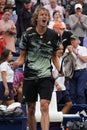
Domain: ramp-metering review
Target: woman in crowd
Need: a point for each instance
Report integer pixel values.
(63, 96)
(56, 18)
(8, 29)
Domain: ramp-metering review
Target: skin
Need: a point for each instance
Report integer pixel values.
(57, 17)
(53, 4)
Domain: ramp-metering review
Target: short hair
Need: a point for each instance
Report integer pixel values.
(35, 15)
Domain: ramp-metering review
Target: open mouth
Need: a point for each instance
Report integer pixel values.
(44, 21)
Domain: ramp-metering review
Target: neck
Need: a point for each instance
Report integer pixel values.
(41, 30)
(6, 20)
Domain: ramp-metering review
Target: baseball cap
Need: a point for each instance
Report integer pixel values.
(58, 25)
(78, 6)
(74, 37)
(27, 1)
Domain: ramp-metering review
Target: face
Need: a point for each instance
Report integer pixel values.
(78, 10)
(75, 42)
(60, 51)
(2, 5)
(10, 56)
(57, 16)
(28, 5)
(53, 3)
(7, 15)
(43, 18)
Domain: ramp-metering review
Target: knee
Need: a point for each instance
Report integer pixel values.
(44, 107)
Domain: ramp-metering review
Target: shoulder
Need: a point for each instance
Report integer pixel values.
(29, 32)
(82, 48)
(84, 16)
(4, 65)
(47, 6)
(51, 31)
(72, 15)
(67, 33)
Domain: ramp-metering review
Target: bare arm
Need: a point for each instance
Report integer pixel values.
(20, 60)
(3, 74)
(55, 62)
(82, 58)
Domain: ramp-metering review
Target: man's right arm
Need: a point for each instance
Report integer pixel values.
(20, 60)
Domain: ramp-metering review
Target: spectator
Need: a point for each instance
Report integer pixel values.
(63, 96)
(13, 15)
(52, 7)
(78, 83)
(56, 18)
(2, 6)
(84, 6)
(24, 18)
(7, 27)
(64, 35)
(6, 78)
(78, 23)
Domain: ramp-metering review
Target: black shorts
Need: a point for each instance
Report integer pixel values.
(43, 87)
(63, 97)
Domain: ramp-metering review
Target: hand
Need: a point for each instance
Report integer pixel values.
(6, 93)
(15, 65)
(70, 48)
(58, 87)
(79, 15)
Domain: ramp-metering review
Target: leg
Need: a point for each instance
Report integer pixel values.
(45, 114)
(1, 102)
(81, 86)
(45, 90)
(67, 107)
(31, 116)
(9, 102)
(20, 94)
(67, 102)
(72, 88)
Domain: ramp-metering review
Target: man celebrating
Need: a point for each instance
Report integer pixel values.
(37, 47)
